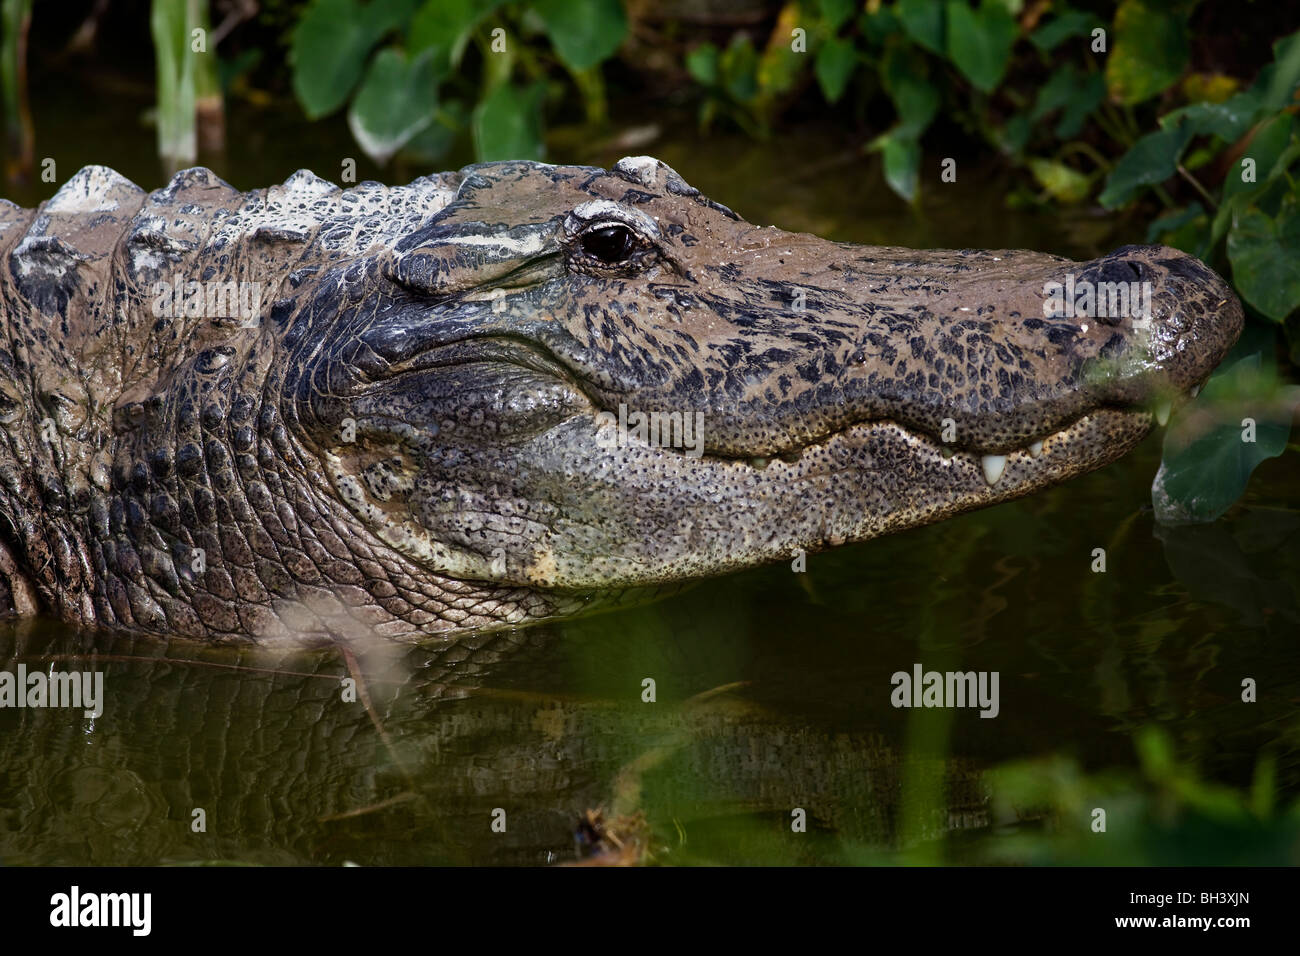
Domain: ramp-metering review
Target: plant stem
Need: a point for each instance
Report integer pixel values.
(1196, 184)
(1078, 146)
(20, 140)
(1111, 126)
(170, 22)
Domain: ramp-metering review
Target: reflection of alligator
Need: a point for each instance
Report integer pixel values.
(304, 411)
(269, 753)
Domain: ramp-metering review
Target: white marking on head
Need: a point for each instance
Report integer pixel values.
(642, 169)
(598, 210)
(526, 245)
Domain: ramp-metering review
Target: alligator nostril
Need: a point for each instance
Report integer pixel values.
(1116, 269)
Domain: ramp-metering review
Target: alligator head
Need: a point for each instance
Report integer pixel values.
(586, 379)
(541, 383)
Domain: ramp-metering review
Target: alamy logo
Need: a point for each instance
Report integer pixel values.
(656, 429)
(1088, 300)
(75, 908)
(206, 300)
(923, 688)
(55, 689)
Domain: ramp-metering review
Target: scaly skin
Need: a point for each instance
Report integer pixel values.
(411, 438)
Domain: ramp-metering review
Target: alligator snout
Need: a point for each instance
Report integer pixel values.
(796, 338)
(1190, 315)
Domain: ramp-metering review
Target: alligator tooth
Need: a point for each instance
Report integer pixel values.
(759, 463)
(1036, 449)
(1196, 390)
(993, 466)
(1162, 412)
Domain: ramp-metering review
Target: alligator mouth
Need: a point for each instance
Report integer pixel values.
(992, 464)
(1042, 459)
(992, 461)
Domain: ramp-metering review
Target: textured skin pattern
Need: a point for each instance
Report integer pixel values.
(404, 440)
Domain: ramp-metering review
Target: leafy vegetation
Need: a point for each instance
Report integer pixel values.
(1241, 419)
(445, 65)
(1061, 92)
(1166, 814)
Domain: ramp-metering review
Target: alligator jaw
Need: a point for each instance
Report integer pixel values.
(860, 483)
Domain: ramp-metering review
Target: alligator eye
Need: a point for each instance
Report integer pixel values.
(610, 244)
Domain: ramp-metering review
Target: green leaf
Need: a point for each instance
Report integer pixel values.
(1150, 49)
(901, 157)
(835, 62)
(836, 12)
(1156, 753)
(739, 65)
(1061, 182)
(1265, 153)
(1153, 159)
(1264, 251)
(330, 44)
(445, 26)
(1173, 221)
(397, 99)
(1091, 92)
(432, 143)
(1069, 23)
(702, 64)
(1015, 134)
(584, 32)
(879, 26)
(1228, 120)
(1060, 88)
(1265, 149)
(507, 123)
(980, 41)
(917, 102)
(916, 99)
(1075, 94)
(1207, 463)
(1283, 76)
(923, 21)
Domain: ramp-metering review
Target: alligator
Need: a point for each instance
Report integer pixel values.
(519, 392)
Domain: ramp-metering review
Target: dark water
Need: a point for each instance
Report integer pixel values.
(548, 723)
